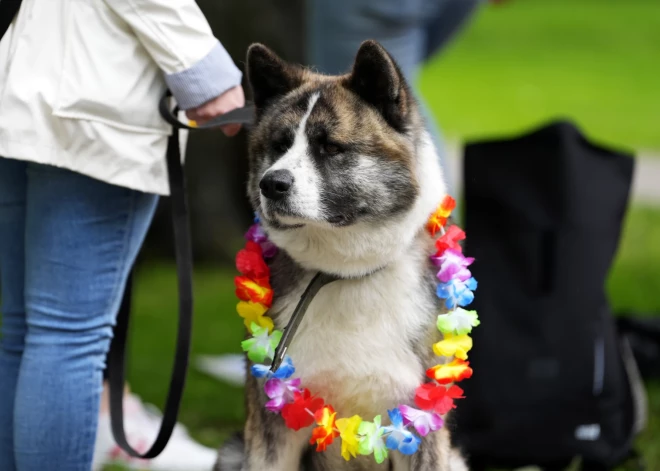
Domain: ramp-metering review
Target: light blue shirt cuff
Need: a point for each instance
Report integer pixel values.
(207, 79)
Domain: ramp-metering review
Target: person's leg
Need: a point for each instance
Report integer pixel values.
(81, 238)
(12, 327)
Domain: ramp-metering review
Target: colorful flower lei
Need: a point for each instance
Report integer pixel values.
(300, 409)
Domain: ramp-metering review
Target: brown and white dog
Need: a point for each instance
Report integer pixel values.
(344, 176)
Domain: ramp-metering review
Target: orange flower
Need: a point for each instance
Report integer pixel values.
(249, 290)
(455, 371)
(325, 433)
(439, 218)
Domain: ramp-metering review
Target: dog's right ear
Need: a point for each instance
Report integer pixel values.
(270, 77)
(378, 80)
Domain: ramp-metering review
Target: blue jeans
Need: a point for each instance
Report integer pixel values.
(67, 243)
(410, 30)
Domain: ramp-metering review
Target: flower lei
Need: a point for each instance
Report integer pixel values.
(300, 409)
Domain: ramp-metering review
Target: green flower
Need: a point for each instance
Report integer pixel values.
(261, 345)
(458, 322)
(371, 440)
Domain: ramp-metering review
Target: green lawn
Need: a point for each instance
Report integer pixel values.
(528, 61)
(212, 409)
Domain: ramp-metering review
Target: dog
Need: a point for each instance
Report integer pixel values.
(344, 177)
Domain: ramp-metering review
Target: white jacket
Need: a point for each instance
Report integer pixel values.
(80, 82)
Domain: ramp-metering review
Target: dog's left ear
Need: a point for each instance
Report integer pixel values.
(270, 77)
(377, 79)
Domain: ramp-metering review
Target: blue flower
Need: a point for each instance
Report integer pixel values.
(398, 438)
(456, 292)
(285, 370)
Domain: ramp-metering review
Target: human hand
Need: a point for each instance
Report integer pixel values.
(229, 100)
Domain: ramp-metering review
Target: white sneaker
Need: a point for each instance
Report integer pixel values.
(141, 423)
(229, 367)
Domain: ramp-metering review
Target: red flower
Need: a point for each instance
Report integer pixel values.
(439, 218)
(433, 397)
(300, 413)
(249, 290)
(450, 240)
(326, 432)
(250, 262)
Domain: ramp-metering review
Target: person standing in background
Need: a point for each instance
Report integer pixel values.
(82, 164)
(411, 31)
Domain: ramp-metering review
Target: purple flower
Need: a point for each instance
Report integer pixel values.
(280, 392)
(453, 264)
(424, 422)
(269, 249)
(256, 234)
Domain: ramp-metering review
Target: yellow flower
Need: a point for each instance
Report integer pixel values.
(453, 345)
(349, 438)
(254, 312)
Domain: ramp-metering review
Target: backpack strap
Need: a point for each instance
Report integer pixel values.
(183, 254)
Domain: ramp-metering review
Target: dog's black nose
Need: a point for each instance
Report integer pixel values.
(276, 184)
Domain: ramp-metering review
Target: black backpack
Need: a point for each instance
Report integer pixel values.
(554, 380)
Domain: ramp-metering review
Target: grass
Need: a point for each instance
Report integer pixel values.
(529, 61)
(212, 409)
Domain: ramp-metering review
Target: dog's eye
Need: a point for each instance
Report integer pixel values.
(331, 149)
(280, 146)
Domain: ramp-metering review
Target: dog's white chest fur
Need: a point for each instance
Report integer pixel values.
(355, 345)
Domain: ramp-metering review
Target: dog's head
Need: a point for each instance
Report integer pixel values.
(342, 172)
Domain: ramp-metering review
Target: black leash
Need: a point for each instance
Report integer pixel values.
(183, 252)
(318, 282)
(8, 10)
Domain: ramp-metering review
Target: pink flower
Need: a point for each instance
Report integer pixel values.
(453, 264)
(280, 392)
(424, 422)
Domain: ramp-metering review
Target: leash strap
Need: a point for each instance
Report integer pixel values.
(243, 116)
(8, 10)
(318, 282)
(183, 253)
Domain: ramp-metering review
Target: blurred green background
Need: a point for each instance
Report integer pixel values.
(514, 66)
(524, 62)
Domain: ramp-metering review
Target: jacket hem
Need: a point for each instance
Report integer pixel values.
(131, 178)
